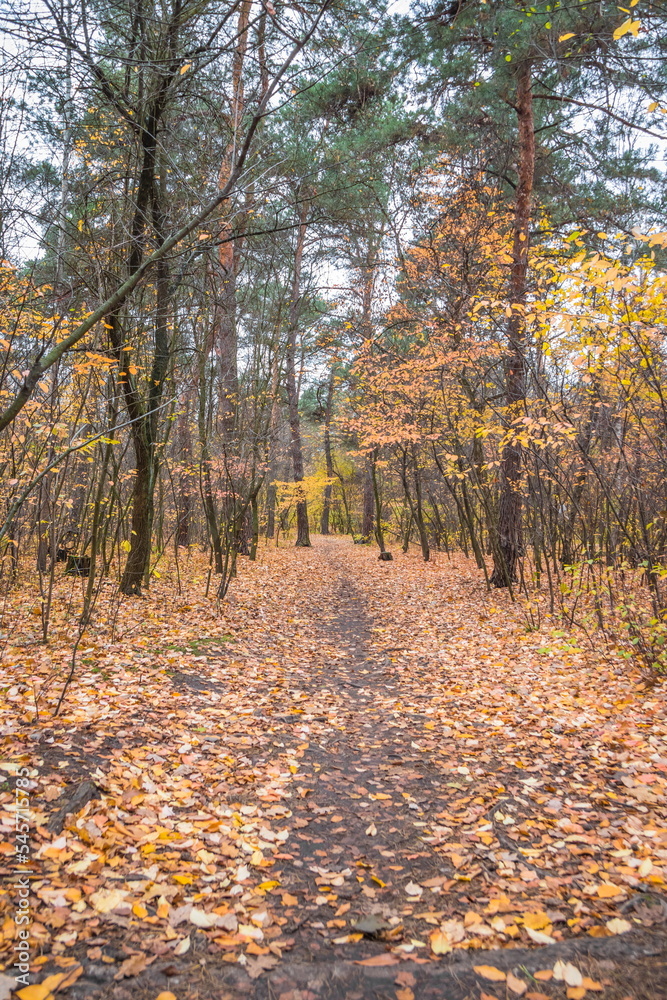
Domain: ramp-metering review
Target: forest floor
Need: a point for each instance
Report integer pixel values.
(355, 779)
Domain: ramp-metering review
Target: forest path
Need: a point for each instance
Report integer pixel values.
(387, 840)
(431, 791)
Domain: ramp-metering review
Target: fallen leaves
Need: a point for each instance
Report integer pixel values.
(59, 981)
(378, 960)
(617, 925)
(567, 973)
(491, 973)
(515, 985)
(440, 943)
(517, 792)
(106, 900)
(135, 964)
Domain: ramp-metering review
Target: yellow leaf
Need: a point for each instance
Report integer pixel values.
(653, 105)
(166, 995)
(490, 972)
(267, 886)
(125, 545)
(43, 990)
(538, 921)
(628, 26)
(607, 890)
(105, 900)
(140, 910)
(618, 926)
(564, 38)
(185, 68)
(440, 943)
(645, 868)
(183, 879)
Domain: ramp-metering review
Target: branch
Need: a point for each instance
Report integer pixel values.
(598, 107)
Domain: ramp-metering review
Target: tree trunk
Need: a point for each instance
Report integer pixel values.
(230, 244)
(145, 429)
(205, 470)
(419, 508)
(328, 489)
(368, 510)
(509, 526)
(184, 499)
(303, 534)
(272, 444)
(142, 514)
(379, 531)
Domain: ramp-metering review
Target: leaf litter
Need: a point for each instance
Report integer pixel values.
(373, 763)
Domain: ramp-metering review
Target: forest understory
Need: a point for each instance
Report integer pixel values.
(352, 779)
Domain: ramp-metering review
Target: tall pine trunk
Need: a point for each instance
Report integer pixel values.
(509, 533)
(229, 253)
(302, 532)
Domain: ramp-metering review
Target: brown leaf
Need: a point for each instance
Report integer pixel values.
(133, 965)
(263, 963)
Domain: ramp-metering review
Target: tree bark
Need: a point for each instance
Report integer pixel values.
(377, 499)
(328, 457)
(509, 542)
(184, 499)
(303, 533)
(229, 252)
(368, 509)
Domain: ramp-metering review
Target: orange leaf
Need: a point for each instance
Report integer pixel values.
(515, 984)
(490, 972)
(385, 959)
(606, 890)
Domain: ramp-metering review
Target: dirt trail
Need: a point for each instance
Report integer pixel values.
(402, 822)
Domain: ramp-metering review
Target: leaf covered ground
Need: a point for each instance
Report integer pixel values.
(354, 779)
